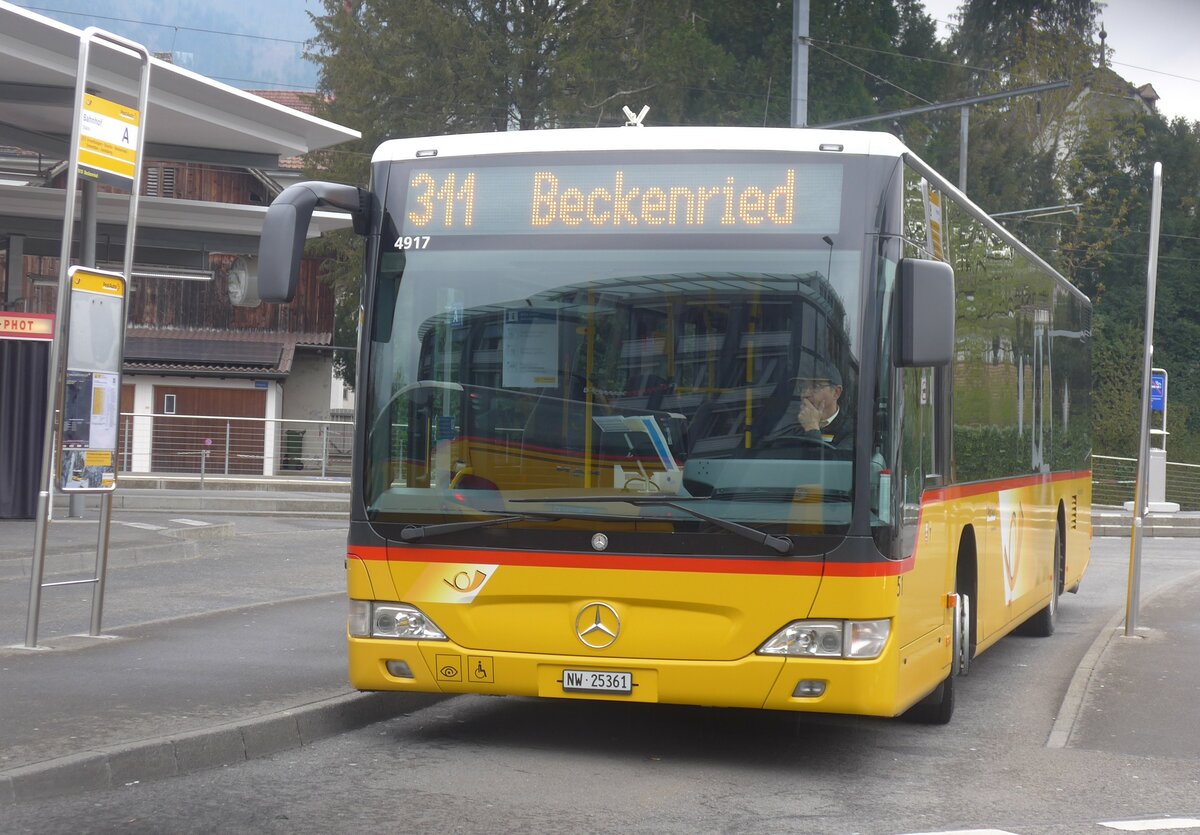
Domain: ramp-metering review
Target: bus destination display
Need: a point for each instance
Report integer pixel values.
(621, 199)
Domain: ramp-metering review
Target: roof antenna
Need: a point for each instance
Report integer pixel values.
(636, 121)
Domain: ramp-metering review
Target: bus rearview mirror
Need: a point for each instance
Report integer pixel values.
(281, 245)
(924, 313)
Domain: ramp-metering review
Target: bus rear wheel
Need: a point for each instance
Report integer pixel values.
(1041, 625)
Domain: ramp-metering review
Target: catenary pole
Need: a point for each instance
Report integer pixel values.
(1139, 493)
(800, 9)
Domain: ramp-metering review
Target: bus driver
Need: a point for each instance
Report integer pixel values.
(820, 415)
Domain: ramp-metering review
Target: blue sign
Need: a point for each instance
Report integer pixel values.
(1158, 392)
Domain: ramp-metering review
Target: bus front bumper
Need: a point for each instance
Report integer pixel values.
(818, 685)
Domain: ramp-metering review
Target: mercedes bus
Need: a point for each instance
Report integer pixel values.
(585, 460)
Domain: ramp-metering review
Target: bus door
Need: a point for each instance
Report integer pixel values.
(924, 411)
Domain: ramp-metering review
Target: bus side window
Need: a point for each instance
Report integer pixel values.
(916, 449)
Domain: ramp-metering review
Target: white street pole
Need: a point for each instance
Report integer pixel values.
(1139, 494)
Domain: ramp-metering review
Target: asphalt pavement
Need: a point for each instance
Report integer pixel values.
(222, 648)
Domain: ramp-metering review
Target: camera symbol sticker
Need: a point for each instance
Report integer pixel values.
(449, 668)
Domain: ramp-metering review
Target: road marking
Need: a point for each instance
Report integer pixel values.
(194, 523)
(145, 526)
(966, 832)
(1155, 825)
(1150, 825)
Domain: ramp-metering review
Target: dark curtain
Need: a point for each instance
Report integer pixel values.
(22, 417)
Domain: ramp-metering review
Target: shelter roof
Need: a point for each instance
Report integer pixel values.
(189, 117)
(47, 204)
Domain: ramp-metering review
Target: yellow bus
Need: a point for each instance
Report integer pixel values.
(715, 416)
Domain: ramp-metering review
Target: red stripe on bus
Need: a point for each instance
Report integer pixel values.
(815, 567)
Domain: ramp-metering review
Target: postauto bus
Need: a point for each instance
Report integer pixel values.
(580, 469)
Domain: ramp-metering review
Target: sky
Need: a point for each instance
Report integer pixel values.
(258, 44)
(1152, 41)
(250, 44)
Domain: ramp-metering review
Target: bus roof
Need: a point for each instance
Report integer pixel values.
(642, 139)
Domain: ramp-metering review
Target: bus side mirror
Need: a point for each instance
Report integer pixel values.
(924, 327)
(281, 245)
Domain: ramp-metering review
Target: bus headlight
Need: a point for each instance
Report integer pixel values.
(391, 620)
(829, 639)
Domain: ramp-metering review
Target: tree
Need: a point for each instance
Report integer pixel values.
(428, 67)
(1002, 46)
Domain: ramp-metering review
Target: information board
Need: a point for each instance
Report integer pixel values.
(108, 141)
(1158, 391)
(92, 389)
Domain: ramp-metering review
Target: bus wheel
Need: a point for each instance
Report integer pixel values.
(1041, 625)
(938, 706)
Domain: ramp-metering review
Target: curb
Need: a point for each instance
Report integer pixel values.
(193, 484)
(1109, 522)
(184, 543)
(221, 745)
(1152, 530)
(248, 504)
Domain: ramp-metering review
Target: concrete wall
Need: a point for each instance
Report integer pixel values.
(306, 392)
(306, 397)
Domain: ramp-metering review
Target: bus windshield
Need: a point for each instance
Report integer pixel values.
(523, 363)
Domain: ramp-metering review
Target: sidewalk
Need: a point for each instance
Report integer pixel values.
(1137, 694)
(168, 695)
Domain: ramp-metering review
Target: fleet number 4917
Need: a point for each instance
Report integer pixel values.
(412, 242)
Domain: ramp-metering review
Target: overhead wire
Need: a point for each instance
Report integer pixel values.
(873, 75)
(1089, 228)
(165, 25)
(1156, 72)
(906, 55)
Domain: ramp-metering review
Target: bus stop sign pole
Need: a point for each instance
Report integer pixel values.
(1140, 484)
(93, 153)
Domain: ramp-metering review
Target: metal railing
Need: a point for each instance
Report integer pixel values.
(1113, 481)
(219, 445)
(215, 445)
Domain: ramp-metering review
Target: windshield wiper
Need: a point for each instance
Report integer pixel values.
(411, 533)
(778, 544)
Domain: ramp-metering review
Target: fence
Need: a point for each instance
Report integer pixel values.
(1113, 482)
(213, 445)
(216, 445)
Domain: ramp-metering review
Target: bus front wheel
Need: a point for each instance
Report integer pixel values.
(938, 706)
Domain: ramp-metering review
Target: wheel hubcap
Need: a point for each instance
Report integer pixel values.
(962, 636)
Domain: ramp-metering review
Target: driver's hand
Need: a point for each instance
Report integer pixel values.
(809, 418)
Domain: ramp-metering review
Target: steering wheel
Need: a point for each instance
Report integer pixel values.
(785, 441)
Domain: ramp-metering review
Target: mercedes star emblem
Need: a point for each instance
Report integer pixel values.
(598, 625)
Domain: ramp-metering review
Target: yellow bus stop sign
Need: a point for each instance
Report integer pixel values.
(108, 141)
